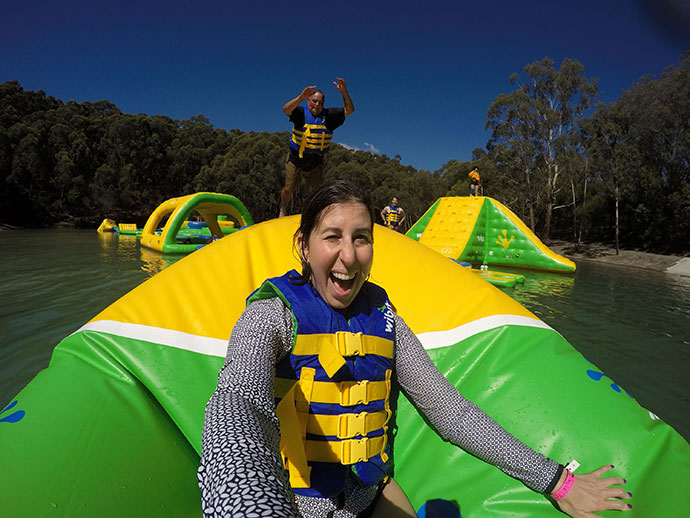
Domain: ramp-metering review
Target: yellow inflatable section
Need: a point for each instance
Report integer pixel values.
(452, 224)
(244, 260)
(107, 225)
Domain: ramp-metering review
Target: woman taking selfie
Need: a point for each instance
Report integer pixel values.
(299, 422)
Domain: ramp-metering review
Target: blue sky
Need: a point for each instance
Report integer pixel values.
(421, 74)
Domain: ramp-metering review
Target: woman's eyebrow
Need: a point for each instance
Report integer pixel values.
(340, 230)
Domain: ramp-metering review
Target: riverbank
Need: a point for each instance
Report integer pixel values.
(604, 253)
(5, 226)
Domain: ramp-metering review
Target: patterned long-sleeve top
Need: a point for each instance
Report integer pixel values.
(241, 471)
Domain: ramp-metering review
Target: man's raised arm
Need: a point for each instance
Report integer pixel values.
(342, 88)
(294, 103)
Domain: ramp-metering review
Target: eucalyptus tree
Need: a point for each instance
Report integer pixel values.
(612, 157)
(533, 129)
(639, 149)
(660, 130)
(251, 169)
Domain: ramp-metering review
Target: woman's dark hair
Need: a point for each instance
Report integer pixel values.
(328, 193)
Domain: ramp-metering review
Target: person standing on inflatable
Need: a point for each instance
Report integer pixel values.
(311, 134)
(393, 215)
(299, 422)
(475, 181)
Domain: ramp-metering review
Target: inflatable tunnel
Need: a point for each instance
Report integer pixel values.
(211, 206)
(481, 230)
(113, 426)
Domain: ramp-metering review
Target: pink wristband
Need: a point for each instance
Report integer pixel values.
(565, 488)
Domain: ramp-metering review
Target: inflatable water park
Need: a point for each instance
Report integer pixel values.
(481, 230)
(113, 426)
(219, 214)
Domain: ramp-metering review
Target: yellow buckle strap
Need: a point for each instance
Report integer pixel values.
(303, 394)
(355, 393)
(292, 412)
(349, 451)
(291, 441)
(346, 426)
(303, 143)
(349, 344)
(389, 413)
(353, 425)
(346, 343)
(329, 357)
(351, 393)
(331, 348)
(345, 393)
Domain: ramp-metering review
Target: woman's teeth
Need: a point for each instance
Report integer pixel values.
(344, 276)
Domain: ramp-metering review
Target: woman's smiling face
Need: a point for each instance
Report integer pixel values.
(340, 252)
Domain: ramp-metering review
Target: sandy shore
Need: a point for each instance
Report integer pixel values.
(676, 264)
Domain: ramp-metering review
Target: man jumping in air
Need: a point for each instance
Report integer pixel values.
(311, 134)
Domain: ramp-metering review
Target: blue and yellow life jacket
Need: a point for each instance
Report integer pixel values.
(393, 215)
(333, 390)
(314, 137)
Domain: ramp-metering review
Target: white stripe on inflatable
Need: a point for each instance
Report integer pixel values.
(159, 335)
(437, 339)
(217, 347)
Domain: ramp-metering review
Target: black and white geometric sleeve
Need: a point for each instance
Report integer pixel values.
(460, 421)
(241, 472)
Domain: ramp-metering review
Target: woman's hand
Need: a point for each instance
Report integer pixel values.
(591, 493)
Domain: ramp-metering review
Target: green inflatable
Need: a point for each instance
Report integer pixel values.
(214, 208)
(112, 427)
(481, 230)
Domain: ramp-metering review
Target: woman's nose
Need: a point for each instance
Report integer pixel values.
(347, 252)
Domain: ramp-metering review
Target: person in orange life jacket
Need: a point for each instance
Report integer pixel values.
(273, 443)
(311, 134)
(475, 181)
(393, 215)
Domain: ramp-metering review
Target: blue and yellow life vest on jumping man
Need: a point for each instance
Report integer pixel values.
(314, 137)
(393, 215)
(333, 390)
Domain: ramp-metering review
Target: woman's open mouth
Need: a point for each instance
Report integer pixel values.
(343, 282)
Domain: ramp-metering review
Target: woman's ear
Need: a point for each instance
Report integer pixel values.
(302, 248)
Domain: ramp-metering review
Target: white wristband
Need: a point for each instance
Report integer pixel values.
(572, 466)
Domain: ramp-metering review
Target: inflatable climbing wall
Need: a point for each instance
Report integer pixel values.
(481, 230)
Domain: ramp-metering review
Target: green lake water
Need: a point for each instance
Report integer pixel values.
(633, 324)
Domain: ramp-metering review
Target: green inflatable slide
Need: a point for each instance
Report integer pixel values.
(481, 230)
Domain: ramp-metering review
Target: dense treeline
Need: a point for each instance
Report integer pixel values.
(618, 172)
(81, 162)
(568, 167)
